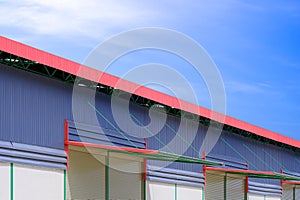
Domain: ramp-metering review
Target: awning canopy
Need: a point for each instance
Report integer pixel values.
(254, 173)
(147, 153)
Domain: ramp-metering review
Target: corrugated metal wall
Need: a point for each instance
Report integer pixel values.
(33, 109)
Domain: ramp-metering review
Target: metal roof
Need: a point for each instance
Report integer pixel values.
(76, 69)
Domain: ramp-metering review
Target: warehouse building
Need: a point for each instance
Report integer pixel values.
(49, 152)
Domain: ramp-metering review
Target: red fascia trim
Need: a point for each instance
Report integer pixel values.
(77, 69)
(99, 146)
(290, 182)
(204, 173)
(239, 171)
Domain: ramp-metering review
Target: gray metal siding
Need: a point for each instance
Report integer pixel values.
(32, 155)
(264, 189)
(173, 176)
(229, 162)
(80, 132)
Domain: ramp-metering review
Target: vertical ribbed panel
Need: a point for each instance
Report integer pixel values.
(214, 188)
(235, 188)
(33, 108)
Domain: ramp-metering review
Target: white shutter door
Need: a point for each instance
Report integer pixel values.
(160, 191)
(287, 192)
(255, 197)
(35, 183)
(214, 188)
(86, 176)
(297, 192)
(235, 188)
(4, 180)
(272, 198)
(190, 193)
(125, 179)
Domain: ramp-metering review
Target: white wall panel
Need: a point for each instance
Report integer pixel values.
(35, 183)
(255, 197)
(190, 193)
(160, 191)
(4, 181)
(272, 198)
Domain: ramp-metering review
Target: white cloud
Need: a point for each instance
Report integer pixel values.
(90, 18)
(101, 18)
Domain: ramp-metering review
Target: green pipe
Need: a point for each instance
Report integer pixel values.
(11, 181)
(175, 191)
(107, 189)
(65, 184)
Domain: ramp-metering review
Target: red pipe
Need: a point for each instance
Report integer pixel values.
(66, 138)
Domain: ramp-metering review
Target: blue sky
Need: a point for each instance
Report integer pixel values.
(255, 44)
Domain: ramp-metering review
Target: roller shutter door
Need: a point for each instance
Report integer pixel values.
(160, 191)
(86, 176)
(235, 188)
(190, 193)
(35, 183)
(4, 180)
(287, 192)
(297, 192)
(125, 178)
(214, 188)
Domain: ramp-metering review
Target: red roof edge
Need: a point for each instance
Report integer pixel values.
(31, 53)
